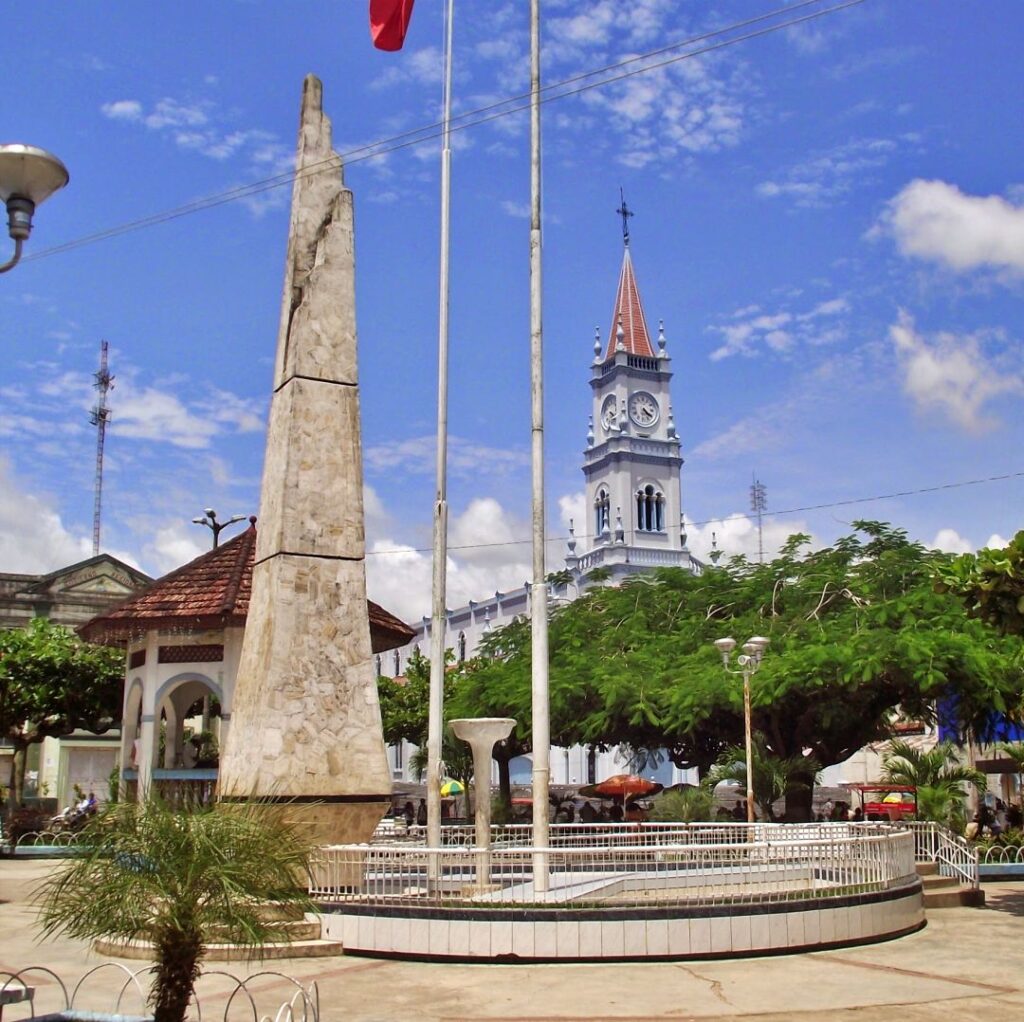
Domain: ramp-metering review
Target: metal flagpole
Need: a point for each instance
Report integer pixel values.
(541, 738)
(435, 718)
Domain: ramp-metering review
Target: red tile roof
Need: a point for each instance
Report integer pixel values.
(213, 592)
(629, 311)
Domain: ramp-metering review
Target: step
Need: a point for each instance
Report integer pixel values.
(955, 897)
(142, 950)
(296, 929)
(927, 869)
(936, 882)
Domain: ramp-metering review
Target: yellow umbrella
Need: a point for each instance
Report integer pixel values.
(452, 788)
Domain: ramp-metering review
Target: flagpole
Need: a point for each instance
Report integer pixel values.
(541, 738)
(435, 718)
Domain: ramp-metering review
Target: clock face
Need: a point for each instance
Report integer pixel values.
(609, 412)
(643, 409)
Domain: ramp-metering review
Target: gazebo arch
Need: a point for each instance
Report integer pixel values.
(171, 704)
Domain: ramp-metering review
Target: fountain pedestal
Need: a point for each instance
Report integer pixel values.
(480, 733)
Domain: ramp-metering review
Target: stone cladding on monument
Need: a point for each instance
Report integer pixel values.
(306, 722)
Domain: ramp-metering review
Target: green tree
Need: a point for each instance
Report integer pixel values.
(179, 878)
(938, 776)
(496, 683)
(404, 705)
(857, 630)
(990, 583)
(51, 684)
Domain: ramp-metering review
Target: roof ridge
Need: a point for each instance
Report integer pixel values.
(245, 543)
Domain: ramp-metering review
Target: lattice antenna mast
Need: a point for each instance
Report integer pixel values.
(759, 504)
(99, 417)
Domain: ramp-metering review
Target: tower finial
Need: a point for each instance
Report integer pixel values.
(625, 212)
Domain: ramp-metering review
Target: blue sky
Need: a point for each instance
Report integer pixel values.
(829, 220)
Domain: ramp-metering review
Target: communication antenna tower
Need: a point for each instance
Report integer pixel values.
(759, 504)
(99, 417)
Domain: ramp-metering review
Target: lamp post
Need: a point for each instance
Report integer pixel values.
(748, 662)
(28, 176)
(209, 519)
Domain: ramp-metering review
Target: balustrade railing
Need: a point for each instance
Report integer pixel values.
(955, 856)
(608, 865)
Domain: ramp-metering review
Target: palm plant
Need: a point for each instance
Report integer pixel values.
(938, 776)
(774, 776)
(1015, 752)
(686, 805)
(180, 878)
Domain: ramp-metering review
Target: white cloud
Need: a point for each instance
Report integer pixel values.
(830, 175)
(951, 374)
(465, 458)
(748, 329)
(200, 127)
(33, 539)
(736, 535)
(486, 553)
(935, 221)
(123, 110)
(174, 545)
(169, 113)
(952, 542)
(424, 66)
(572, 508)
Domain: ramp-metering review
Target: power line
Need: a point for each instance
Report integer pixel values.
(709, 521)
(469, 119)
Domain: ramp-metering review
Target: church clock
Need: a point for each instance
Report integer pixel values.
(643, 409)
(609, 413)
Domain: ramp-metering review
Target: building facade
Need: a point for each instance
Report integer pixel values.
(69, 596)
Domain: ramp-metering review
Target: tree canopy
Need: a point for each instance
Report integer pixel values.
(51, 684)
(991, 584)
(857, 629)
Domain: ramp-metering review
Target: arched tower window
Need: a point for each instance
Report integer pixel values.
(650, 510)
(602, 513)
(462, 647)
(398, 663)
(378, 663)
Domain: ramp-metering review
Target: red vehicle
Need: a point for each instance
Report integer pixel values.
(891, 802)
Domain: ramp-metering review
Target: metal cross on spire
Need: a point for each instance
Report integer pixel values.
(625, 212)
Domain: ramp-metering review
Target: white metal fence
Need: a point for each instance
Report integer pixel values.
(715, 864)
(1001, 855)
(954, 855)
(586, 835)
(113, 991)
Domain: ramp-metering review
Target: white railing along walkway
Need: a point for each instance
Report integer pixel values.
(955, 856)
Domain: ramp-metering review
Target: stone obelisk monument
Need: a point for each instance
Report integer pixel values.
(306, 725)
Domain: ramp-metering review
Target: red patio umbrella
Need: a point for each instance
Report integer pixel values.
(621, 787)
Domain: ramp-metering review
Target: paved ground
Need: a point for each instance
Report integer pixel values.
(967, 965)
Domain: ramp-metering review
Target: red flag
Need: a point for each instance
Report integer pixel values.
(389, 21)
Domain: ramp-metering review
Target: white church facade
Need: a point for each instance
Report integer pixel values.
(631, 467)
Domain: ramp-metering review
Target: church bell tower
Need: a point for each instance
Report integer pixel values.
(632, 460)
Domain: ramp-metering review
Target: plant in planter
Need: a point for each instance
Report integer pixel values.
(180, 878)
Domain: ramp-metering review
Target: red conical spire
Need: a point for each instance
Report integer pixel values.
(629, 314)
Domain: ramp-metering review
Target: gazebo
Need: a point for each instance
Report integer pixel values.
(182, 636)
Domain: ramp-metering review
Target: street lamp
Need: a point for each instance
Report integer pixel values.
(748, 662)
(210, 521)
(28, 176)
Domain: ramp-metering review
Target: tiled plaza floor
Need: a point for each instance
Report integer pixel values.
(966, 965)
